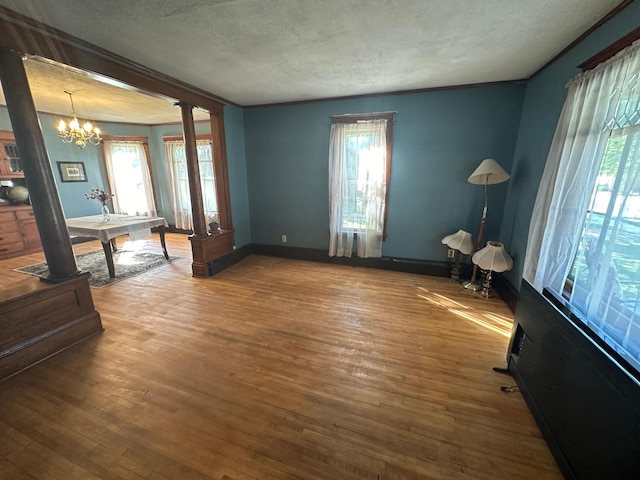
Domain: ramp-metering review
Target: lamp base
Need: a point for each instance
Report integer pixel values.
(486, 285)
(471, 285)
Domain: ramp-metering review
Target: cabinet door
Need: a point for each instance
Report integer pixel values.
(29, 229)
(4, 162)
(11, 238)
(10, 165)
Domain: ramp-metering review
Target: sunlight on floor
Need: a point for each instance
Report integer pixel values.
(491, 321)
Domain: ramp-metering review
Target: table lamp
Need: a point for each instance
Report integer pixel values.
(489, 172)
(461, 243)
(492, 258)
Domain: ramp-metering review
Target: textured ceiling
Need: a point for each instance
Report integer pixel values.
(266, 51)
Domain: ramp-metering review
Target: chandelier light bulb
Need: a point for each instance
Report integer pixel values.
(73, 133)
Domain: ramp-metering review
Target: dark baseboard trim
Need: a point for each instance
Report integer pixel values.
(222, 263)
(509, 294)
(423, 267)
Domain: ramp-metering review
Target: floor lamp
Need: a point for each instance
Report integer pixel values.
(489, 172)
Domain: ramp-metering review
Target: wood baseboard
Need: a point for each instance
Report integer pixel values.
(423, 267)
(509, 294)
(38, 322)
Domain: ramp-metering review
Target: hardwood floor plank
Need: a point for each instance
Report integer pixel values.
(274, 369)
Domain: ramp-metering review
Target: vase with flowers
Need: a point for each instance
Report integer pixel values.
(103, 197)
(214, 225)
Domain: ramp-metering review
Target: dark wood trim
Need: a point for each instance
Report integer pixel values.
(422, 267)
(364, 117)
(611, 50)
(124, 138)
(508, 293)
(29, 36)
(384, 94)
(222, 263)
(221, 169)
(180, 138)
(615, 11)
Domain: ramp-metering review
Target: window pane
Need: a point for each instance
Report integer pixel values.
(606, 270)
(364, 179)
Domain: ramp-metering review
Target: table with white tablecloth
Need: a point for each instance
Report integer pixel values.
(95, 226)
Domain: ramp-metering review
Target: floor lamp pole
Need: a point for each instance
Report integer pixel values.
(473, 284)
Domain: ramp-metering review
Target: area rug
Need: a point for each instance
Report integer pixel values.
(127, 264)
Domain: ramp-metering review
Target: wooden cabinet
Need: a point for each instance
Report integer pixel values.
(18, 230)
(19, 234)
(10, 166)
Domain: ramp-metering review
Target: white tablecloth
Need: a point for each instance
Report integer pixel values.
(95, 227)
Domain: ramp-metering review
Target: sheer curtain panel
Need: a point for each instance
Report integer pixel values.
(357, 187)
(179, 181)
(584, 237)
(129, 178)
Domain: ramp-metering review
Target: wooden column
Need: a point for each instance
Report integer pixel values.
(221, 170)
(193, 170)
(46, 204)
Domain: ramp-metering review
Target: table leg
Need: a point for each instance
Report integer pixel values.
(114, 245)
(106, 246)
(161, 230)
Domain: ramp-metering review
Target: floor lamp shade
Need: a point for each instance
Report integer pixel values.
(460, 241)
(489, 172)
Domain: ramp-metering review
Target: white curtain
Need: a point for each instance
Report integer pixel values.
(129, 178)
(357, 187)
(601, 104)
(179, 181)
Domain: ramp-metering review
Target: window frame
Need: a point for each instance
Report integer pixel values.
(390, 118)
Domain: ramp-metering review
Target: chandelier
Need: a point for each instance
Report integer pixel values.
(74, 132)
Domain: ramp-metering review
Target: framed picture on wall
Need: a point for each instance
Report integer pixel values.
(72, 172)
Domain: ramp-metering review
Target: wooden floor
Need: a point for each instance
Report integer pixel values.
(274, 369)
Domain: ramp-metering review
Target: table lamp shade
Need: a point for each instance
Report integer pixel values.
(460, 240)
(493, 257)
(489, 172)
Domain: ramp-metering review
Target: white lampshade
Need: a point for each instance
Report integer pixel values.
(493, 257)
(488, 172)
(460, 240)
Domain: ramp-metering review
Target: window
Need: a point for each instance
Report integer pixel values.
(584, 238)
(179, 179)
(604, 281)
(127, 163)
(359, 166)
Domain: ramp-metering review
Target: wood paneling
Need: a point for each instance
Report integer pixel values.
(40, 321)
(587, 407)
(274, 369)
(210, 248)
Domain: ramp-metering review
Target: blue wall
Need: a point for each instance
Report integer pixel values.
(544, 98)
(439, 139)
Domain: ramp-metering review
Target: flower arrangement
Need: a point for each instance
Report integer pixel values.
(100, 195)
(214, 226)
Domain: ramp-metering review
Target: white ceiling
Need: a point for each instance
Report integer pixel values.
(255, 52)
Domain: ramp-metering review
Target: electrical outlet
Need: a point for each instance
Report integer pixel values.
(284, 239)
(451, 253)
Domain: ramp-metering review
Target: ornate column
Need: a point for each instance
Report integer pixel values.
(193, 170)
(47, 208)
